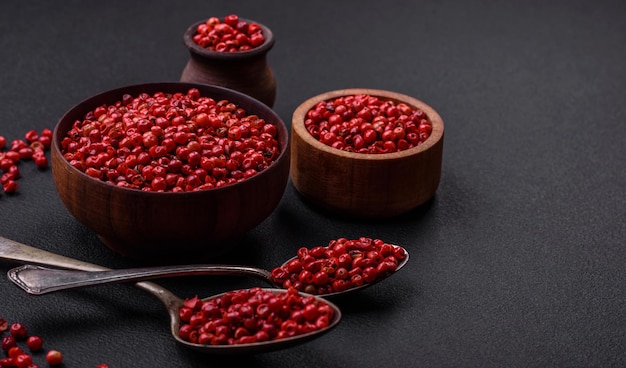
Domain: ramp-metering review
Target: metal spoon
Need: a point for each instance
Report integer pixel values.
(40, 280)
(14, 251)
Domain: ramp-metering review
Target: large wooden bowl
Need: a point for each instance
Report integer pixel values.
(167, 226)
(365, 185)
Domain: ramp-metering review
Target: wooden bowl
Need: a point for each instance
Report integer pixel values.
(365, 185)
(245, 71)
(169, 226)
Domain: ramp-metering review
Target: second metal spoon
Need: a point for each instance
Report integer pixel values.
(39, 280)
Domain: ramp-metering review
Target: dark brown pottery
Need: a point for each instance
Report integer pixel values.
(365, 185)
(245, 71)
(170, 227)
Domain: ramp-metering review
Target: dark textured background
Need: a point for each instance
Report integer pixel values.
(518, 261)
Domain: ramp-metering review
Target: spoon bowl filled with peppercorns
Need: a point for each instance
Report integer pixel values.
(169, 172)
(366, 153)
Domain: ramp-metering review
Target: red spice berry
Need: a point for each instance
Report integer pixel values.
(54, 357)
(320, 278)
(18, 331)
(231, 20)
(6, 163)
(40, 159)
(4, 324)
(15, 351)
(15, 171)
(3, 142)
(34, 343)
(370, 274)
(7, 362)
(17, 144)
(45, 132)
(103, 365)
(31, 136)
(357, 279)
(23, 361)
(8, 342)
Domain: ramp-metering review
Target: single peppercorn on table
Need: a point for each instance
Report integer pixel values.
(516, 261)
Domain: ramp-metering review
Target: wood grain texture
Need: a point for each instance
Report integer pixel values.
(366, 185)
(170, 226)
(246, 71)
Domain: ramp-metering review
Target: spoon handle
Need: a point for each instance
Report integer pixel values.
(15, 251)
(40, 280)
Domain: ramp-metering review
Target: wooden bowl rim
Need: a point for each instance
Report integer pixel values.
(228, 56)
(434, 118)
(184, 85)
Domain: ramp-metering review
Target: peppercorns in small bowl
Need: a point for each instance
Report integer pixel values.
(366, 153)
(170, 171)
(231, 52)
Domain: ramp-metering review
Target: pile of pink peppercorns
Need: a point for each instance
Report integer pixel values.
(18, 357)
(32, 147)
(230, 34)
(341, 265)
(252, 315)
(166, 142)
(367, 124)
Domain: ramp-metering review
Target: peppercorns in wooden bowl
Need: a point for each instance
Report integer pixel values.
(170, 171)
(365, 152)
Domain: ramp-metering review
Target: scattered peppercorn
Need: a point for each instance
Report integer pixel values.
(23, 361)
(34, 343)
(54, 357)
(16, 356)
(7, 362)
(8, 342)
(32, 147)
(18, 331)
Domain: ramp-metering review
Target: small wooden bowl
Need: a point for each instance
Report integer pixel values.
(167, 226)
(365, 185)
(245, 71)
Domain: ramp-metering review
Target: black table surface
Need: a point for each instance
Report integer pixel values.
(518, 261)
